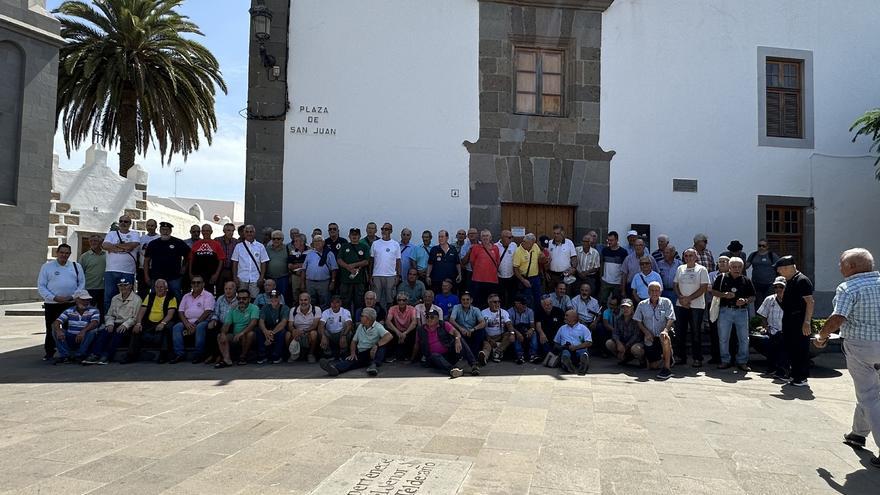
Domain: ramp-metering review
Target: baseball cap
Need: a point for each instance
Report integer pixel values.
(123, 281)
(632, 232)
(82, 294)
(626, 302)
(779, 281)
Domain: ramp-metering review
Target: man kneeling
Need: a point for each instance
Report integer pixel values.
(571, 343)
(441, 343)
(367, 347)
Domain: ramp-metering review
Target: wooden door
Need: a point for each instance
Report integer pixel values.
(785, 231)
(537, 218)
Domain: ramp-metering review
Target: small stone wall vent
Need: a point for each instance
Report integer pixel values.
(684, 185)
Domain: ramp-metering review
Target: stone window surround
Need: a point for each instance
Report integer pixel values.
(807, 265)
(806, 57)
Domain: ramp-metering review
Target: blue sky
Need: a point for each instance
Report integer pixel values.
(215, 171)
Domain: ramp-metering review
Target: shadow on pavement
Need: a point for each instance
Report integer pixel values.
(863, 481)
(25, 366)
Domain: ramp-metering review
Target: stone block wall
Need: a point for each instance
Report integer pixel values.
(267, 101)
(34, 32)
(539, 159)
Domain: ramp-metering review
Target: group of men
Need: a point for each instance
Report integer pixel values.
(389, 300)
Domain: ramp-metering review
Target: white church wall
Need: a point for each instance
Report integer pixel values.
(680, 100)
(396, 81)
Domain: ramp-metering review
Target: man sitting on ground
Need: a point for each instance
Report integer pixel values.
(499, 330)
(238, 330)
(523, 320)
(303, 325)
(367, 347)
(335, 329)
(152, 321)
(655, 317)
(548, 319)
(441, 343)
(194, 312)
(572, 342)
(625, 341)
(76, 328)
(272, 329)
(469, 322)
(119, 320)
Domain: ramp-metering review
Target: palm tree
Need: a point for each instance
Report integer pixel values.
(869, 125)
(129, 76)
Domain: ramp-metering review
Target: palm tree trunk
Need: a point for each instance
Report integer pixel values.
(127, 132)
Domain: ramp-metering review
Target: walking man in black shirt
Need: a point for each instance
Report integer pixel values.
(797, 313)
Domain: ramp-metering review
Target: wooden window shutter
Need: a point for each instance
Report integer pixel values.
(774, 113)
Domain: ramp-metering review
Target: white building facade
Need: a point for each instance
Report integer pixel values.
(729, 118)
(685, 95)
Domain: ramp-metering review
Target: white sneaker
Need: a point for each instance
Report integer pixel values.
(802, 383)
(455, 372)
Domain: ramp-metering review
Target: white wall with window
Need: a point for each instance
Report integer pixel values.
(685, 95)
(392, 90)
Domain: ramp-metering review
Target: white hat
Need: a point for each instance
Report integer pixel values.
(294, 350)
(82, 294)
(632, 232)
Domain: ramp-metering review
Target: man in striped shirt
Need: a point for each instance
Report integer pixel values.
(76, 327)
(857, 315)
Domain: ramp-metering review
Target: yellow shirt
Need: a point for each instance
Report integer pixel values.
(155, 314)
(527, 261)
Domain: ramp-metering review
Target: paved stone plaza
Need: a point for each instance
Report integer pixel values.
(187, 429)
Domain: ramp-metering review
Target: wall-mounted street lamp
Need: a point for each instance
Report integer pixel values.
(261, 21)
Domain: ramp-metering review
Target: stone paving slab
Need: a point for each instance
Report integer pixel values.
(186, 429)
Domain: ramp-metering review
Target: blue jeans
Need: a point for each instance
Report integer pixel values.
(177, 338)
(69, 342)
(282, 283)
(727, 318)
(532, 342)
(111, 282)
(574, 356)
(276, 348)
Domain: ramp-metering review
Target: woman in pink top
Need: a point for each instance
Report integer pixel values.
(401, 321)
(484, 259)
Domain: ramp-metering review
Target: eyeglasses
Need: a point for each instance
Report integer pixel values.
(197, 282)
(243, 298)
(402, 300)
(386, 228)
(645, 264)
(125, 221)
(762, 245)
(277, 238)
(494, 302)
(333, 229)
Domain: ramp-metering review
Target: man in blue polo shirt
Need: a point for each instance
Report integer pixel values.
(320, 268)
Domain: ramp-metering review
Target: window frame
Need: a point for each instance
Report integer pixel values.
(539, 51)
(783, 90)
(806, 140)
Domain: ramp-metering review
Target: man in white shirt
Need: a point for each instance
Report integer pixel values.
(771, 343)
(499, 331)
(59, 279)
(335, 328)
(122, 246)
(690, 283)
(249, 262)
(507, 281)
(563, 256)
(385, 262)
(588, 261)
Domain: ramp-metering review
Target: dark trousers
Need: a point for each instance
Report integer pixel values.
(773, 347)
(480, 292)
(51, 312)
(363, 360)
(106, 343)
(403, 350)
(476, 340)
(507, 290)
(797, 348)
(450, 358)
(532, 294)
(212, 347)
(352, 296)
(98, 300)
(688, 320)
(273, 351)
(151, 334)
(465, 281)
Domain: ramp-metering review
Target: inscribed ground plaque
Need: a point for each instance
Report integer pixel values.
(370, 473)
